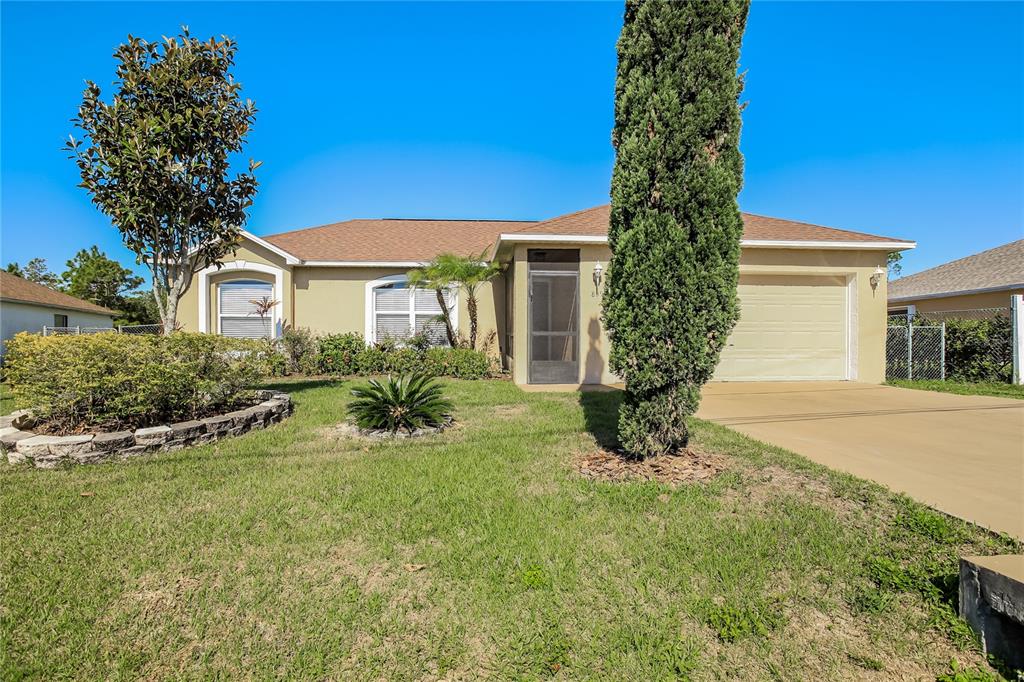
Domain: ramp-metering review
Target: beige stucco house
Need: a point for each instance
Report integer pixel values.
(28, 307)
(813, 298)
(984, 281)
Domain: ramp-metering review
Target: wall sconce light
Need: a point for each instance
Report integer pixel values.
(598, 273)
(876, 277)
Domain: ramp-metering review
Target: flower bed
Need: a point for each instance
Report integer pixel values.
(22, 446)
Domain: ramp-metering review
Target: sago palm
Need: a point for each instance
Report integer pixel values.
(405, 403)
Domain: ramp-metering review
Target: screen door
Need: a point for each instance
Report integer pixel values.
(554, 323)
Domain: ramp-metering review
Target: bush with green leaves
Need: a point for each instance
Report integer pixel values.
(114, 381)
(299, 348)
(348, 354)
(337, 353)
(461, 363)
(979, 350)
(403, 403)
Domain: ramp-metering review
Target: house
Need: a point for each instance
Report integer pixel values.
(28, 307)
(985, 280)
(813, 298)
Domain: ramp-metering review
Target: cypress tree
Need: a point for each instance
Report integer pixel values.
(670, 300)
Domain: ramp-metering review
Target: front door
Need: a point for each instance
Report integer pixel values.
(554, 322)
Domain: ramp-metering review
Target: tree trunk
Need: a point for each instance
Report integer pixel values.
(170, 314)
(471, 306)
(452, 339)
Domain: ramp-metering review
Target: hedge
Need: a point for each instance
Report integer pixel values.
(348, 354)
(979, 350)
(113, 381)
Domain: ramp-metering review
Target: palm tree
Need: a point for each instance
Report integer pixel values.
(468, 272)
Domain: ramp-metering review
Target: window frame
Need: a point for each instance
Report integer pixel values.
(220, 308)
(67, 320)
(370, 327)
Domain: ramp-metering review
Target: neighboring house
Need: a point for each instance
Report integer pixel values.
(985, 280)
(813, 298)
(28, 307)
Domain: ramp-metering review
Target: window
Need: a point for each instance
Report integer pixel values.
(60, 320)
(237, 314)
(399, 312)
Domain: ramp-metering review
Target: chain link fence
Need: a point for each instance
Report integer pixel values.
(140, 329)
(955, 345)
(915, 349)
(121, 329)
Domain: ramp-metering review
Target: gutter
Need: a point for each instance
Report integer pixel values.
(882, 245)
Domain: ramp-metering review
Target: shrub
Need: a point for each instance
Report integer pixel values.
(298, 346)
(337, 353)
(371, 360)
(406, 403)
(348, 354)
(979, 350)
(111, 381)
(461, 363)
(403, 361)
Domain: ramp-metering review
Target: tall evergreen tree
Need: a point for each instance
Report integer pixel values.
(670, 301)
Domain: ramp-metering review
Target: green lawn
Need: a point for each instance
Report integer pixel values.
(476, 553)
(992, 388)
(6, 399)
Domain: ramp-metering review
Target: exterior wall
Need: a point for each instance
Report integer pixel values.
(594, 345)
(26, 317)
(329, 300)
(333, 300)
(992, 299)
(248, 252)
(868, 305)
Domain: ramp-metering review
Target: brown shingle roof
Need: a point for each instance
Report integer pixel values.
(998, 268)
(390, 240)
(594, 222)
(16, 289)
(393, 239)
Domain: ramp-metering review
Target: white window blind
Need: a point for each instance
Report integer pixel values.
(400, 312)
(237, 309)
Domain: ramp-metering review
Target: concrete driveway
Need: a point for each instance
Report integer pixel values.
(961, 454)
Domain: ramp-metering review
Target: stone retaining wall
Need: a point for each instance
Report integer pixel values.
(21, 445)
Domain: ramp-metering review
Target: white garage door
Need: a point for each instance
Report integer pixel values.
(791, 328)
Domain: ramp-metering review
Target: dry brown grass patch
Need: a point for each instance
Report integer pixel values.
(689, 466)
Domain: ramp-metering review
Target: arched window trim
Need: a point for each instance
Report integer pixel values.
(370, 322)
(240, 267)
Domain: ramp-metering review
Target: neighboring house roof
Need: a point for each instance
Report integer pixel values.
(756, 228)
(392, 240)
(18, 290)
(998, 269)
(408, 242)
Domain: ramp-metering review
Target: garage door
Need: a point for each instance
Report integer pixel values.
(790, 329)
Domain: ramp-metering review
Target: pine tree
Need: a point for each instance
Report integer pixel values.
(670, 301)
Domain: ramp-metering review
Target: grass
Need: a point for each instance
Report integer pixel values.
(477, 553)
(992, 388)
(6, 399)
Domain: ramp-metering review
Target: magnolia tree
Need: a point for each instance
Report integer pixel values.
(157, 158)
(670, 301)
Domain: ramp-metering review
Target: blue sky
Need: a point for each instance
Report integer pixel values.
(902, 119)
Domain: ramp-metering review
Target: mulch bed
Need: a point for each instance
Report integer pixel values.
(685, 467)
